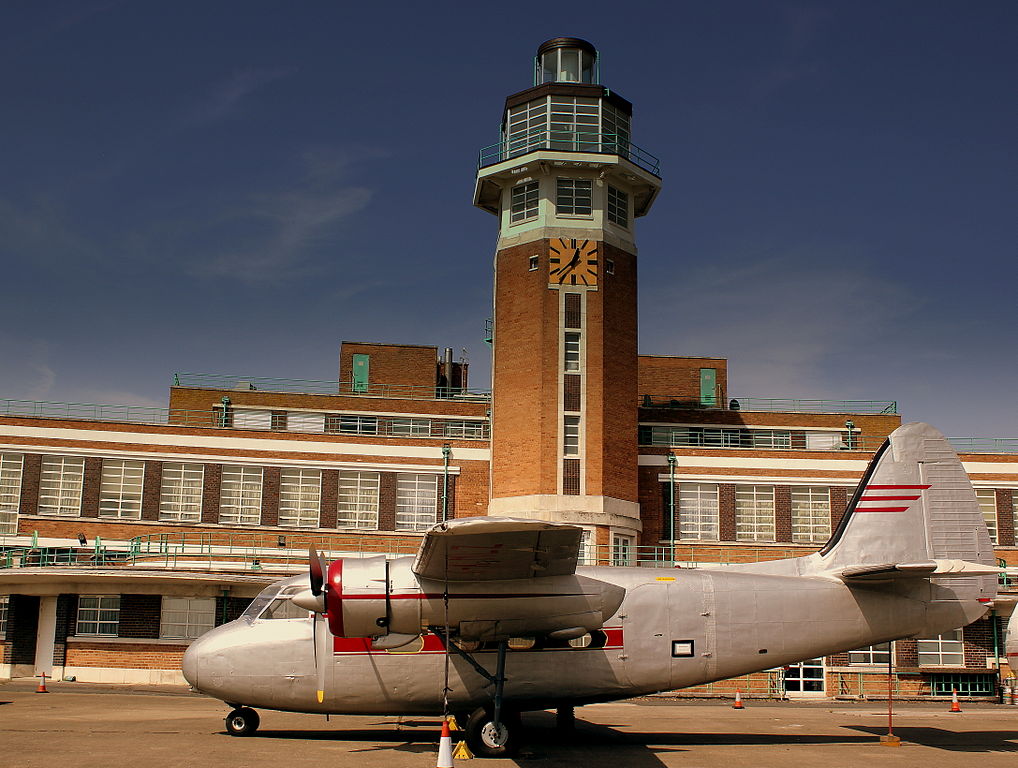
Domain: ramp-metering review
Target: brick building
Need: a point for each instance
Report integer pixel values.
(125, 532)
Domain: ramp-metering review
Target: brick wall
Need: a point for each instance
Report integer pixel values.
(726, 512)
(139, 616)
(783, 513)
(400, 365)
(210, 493)
(270, 496)
(125, 655)
(22, 626)
(231, 606)
(151, 490)
(31, 471)
(1005, 517)
(90, 486)
(665, 378)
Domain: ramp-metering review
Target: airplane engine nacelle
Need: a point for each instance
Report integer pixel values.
(358, 602)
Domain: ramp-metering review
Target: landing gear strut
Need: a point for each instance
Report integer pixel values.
(491, 731)
(242, 721)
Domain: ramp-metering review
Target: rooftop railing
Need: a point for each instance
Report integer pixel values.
(769, 404)
(438, 427)
(348, 388)
(594, 142)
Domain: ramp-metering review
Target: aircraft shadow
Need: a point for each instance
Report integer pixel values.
(544, 742)
(954, 741)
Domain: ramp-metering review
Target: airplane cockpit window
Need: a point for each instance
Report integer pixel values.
(280, 607)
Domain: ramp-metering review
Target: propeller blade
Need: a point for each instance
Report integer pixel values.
(317, 569)
(322, 656)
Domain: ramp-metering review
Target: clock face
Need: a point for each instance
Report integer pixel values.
(572, 262)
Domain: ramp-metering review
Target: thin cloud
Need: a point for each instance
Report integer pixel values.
(31, 377)
(226, 96)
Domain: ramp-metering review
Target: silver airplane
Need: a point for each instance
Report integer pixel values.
(493, 618)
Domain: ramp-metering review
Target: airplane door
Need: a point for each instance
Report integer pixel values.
(645, 623)
(692, 639)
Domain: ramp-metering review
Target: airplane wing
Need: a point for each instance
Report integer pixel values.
(493, 548)
(894, 571)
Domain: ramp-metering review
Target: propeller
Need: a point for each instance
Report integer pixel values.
(318, 605)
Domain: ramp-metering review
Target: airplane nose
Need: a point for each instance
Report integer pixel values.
(189, 664)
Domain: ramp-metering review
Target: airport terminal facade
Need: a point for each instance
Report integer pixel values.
(126, 532)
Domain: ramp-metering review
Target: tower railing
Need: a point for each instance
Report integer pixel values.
(595, 142)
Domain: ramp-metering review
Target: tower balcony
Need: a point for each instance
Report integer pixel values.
(592, 142)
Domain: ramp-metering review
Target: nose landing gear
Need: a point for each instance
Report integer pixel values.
(242, 721)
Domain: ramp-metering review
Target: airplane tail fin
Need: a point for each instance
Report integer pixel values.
(915, 505)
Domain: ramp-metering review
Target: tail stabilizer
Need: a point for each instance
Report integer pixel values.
(914, 505)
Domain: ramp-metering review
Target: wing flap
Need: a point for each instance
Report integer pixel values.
(492, 548)
(923, 570)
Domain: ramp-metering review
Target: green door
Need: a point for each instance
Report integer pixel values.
(708, 382)
(361, 365)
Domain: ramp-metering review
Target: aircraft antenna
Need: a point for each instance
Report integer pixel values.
(445, 601)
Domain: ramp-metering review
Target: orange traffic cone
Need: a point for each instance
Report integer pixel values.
(445, 747)
(738, 700)
(954, 701)
(42, 684)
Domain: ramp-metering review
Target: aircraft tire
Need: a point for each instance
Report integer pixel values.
(242, 721)
(485, 740)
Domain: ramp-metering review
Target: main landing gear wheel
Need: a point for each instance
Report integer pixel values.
(242, 721)
(485, 739)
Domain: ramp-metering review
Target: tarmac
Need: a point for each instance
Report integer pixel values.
(88, 726)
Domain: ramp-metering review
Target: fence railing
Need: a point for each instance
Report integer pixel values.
(594, 142)
(345, 388)
(769, 404)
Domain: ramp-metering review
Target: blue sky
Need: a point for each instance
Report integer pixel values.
(237, 187)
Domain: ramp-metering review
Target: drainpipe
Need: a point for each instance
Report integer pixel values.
(671, 502)
(446, 452)
(226, 405)
(849, 425)
(996, 653)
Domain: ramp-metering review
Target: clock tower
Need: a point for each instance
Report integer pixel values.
(566, 183)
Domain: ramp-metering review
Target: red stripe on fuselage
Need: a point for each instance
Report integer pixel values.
(889, 498)
(881, 509)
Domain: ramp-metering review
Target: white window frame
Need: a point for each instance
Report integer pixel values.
(121, 488)
(754, 513)
(524, 202)
(98, 619)
(466, 430)
(811, 513)
(616, 208)
(623, 546)
(351, 424)
(570, 435)
(5, 602)
(357, 505)
(185, 618)
(11, 471)
(416, 501)
(181, 490)
(408, 427)
(60, 485)
(300, 497)
(240, 495)
(698, 511)
(943, 650)
(574, 198)
(571, 352)
(987, 498)
(871, 655)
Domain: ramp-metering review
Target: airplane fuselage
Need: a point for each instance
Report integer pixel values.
(675, 628)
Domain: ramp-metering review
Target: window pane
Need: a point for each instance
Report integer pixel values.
(754, 513)
(698, 510)
(358, 500)
(120, 492)
(987, 498)
(300, 493)
(811, 514)
(416, 501)
(60, 485)
(240, 500)
(187, 617)
(180, 493)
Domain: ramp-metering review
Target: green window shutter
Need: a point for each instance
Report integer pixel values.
(708, 382)
(361, 365)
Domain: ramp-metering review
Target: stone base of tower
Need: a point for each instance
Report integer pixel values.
(621, 516)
